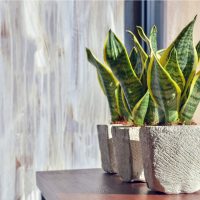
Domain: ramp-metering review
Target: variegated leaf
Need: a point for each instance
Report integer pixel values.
(142, 34)
(198, 50)
(140, 110)
(133, 57)
(136, 63)
(125, 103)
(122, 105)
(191, 77)
(140, 50)
(153, 38)
(144, 78)
(192, 101)
(151, 41)
(101, 83)
(116, 57)
(174, 70)
(163, 90)
(186, 53)
(154, 114)
(108, 82)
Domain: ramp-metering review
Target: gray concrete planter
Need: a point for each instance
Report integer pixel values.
(106, 148)
(171, 157)
(128, 153)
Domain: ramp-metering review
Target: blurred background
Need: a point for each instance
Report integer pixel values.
(50, 99)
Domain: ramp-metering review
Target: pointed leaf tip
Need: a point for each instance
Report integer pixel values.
(139, 27)
(88, 52)
(154, 28)
(184, 46)
(194, 20)
(110, 32)
(129, 31)
(90, 57)
(116, 57)
(133, 35)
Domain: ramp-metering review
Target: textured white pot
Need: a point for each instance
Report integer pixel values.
(128, 153)
(106, 148)
(171, 157)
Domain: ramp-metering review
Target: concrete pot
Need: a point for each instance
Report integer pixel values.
(171, 158)
(106, 148)
(128, 153)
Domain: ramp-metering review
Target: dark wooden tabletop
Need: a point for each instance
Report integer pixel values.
(94, 184)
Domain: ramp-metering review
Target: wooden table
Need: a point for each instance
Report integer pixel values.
(94, 184)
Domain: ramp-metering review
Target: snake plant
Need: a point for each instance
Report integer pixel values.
(159, 87)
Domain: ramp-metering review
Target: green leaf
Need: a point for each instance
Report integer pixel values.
(101, 83)
(154, 114)
(142, 60)
(174, 70)
(117, 59)
(142, 34)
(187, 85)
(140, 110)
(126, 106)
(140, 50)
(186, 53)
(136, 63)
(153, 39)
(193, 100)
(198, 50)
(163, 90)
(108, 82)
(144, 78)
(122, 105)
(152, 45)
(159, 110)
(133, 57)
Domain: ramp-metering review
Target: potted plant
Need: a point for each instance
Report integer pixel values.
(171, 151)
(160, 92)
(123, 80)
(121, 113)
(118, 109)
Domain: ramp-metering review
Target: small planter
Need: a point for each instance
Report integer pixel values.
(106, 148)
(128, 153)
(171, 157)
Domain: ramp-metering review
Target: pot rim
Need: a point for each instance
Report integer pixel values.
(182, 125)
(149, 126)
